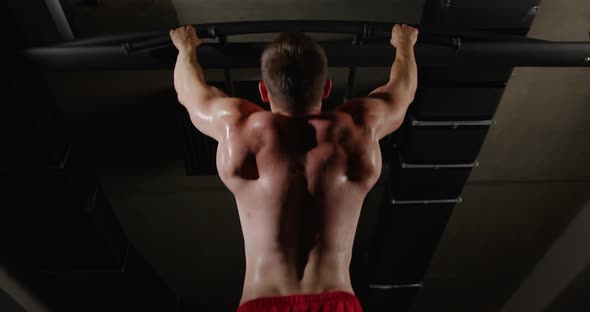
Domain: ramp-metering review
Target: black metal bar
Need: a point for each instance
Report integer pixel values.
(380, 286)
(115, 39)
(241, 55)
(356, 41)
(362, 28)
(59, 18)
(350, 82)
(261, 27)
(427, 201)
(368, 30)
(223, 30)
(242, 28)
(229, 84)
(149, 44)
(450, 123)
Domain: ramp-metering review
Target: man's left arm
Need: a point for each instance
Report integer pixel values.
(211, 111)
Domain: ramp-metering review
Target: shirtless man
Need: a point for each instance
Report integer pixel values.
(299, 175)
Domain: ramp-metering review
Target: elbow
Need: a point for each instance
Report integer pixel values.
(413, 90)
(179, 91)
(411, 97)
(181, 102)
(397, 123)
(408, 95)
(410, 92)
(181, 98)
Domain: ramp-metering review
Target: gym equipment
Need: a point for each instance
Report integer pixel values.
(369, 47)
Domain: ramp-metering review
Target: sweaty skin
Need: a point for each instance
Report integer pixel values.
(299, 181)
(299, 185)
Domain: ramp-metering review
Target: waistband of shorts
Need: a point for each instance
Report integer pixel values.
(303, 298)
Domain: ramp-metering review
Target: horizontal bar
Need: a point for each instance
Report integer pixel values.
(59, 18)
(364, 29)
(427, 202)
(417, 285)
(437, 166)
(350, 83)
(115, 39)
(454, 124)
(247, 55)
(434, 166)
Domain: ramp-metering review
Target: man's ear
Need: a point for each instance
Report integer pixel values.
(327, 89)
(263, 92)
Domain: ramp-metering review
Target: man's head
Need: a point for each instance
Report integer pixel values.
(294, 74)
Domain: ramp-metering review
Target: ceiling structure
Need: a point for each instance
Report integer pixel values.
(532, 177)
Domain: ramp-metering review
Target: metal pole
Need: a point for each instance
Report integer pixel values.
(247, 55)
(362, 29)
(59, 18)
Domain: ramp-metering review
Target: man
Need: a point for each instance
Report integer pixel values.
(299, 175)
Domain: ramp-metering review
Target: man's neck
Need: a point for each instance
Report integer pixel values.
(312, 111)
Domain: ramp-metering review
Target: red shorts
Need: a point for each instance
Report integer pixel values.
(334, 301)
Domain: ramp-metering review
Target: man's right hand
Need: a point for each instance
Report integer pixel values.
(185, 38)
(403, 36)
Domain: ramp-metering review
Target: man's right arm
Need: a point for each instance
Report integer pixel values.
(383, 110)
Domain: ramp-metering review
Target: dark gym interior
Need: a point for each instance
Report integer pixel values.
(110, 199)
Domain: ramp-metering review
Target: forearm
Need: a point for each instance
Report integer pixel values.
(189, 80)
(403, 77)
(404, 71)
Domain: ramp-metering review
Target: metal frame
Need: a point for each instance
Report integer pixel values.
(451, 123)
(405, 165)
(379, 286)
(427, 202)
(369, 47)
(60, 19)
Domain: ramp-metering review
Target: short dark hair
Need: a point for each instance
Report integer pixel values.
(294, 70)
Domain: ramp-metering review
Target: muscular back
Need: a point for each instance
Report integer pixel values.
(299, 185)
(299, 182)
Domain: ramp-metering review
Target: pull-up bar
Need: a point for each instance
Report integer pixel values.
(369, 47)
